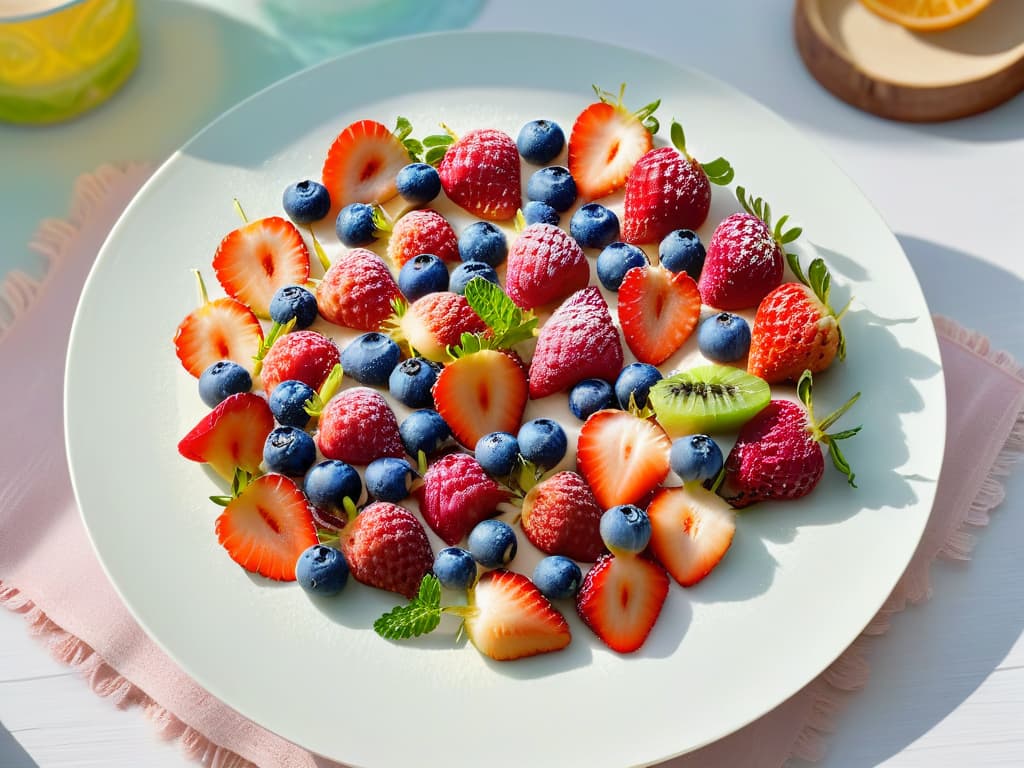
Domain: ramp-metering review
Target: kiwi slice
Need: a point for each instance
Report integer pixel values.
(708, 399)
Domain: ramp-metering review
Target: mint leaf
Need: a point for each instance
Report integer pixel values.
(492, 304)
(420, 616)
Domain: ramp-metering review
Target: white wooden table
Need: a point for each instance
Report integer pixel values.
(948, 681)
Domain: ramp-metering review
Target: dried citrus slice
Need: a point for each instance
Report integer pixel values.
(927, 15)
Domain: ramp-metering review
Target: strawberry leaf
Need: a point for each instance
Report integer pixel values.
(403, 128)
(819, 280)
(678, 137)
(839, 461)
(321, 255)
(420, 616)
(794, 264)
(719, 171)
(277, 330)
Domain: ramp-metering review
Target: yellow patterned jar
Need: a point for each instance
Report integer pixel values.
(58, 59)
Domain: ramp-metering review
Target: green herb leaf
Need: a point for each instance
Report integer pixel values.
(794, 264)
(420, 616)
(791, 235)
(839, 462)
(804, 389)
(434, 155)
(819, 280)
(647, 110)
(438, 140)
(719, 171)
(414, 148)
(678, 137)
(321, 255)
(222, 501)
(741, 196)
(403, 128)
(508, 323)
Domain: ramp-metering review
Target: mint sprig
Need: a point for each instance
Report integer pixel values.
(402, 132)
(508, 323)
(421, 615)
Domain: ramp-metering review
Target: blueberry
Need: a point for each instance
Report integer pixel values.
(293, 301)
(625, 529)
(306, 201)
(455, 568)
(370, 358)
(536, 212)
(288, 403)
(424, 430)
(289, 450)
(724, 338)
(466, 271)
(590, 396)
(542, 442)
(594, 226)
(389, 479)
(682, 250)
(695, 457)
(483, 241)
(635, 379)
(418, 183)
(615, 261)
(493, 543)
(330, 482)
(322, 570)
(497, 453)
(421, 275)
(553, 185)
(411, 381)
(557, 577)
(540, 141)
(356, 225)
(221, 380)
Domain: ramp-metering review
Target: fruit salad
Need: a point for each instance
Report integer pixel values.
(523, 388)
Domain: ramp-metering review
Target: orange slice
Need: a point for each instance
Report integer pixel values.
(927, 15)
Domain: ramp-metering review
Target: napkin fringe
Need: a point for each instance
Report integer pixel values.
(54, 238)
(107, 683)
(830, 692)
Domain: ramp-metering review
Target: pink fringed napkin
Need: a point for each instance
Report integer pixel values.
(76, 612)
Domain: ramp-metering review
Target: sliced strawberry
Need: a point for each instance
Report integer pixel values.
(359, 426)
(622, 456)
(267, 527)
(561, 517)
(481, 393)
(222, 329)
(456, 495)
(231, 435)
(658, 311)
(435, 322)
(621, 598)
(253, 261)
(362, 164)
(691, 530)
(387, 547)
(480, 173)
(357, 291)
(605, 143)
(508, 618)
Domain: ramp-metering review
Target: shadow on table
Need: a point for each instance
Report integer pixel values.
(937, 654)
(12, 754)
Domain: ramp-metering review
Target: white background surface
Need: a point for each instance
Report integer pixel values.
(948, 680)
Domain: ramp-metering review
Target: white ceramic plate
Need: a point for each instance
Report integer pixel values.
(799, 583)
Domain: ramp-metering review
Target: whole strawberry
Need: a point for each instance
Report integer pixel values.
(456, 495)
(386, 547)
(544, 265)
(778, 453)
(561, 517)
(795, 329)
(422, 231)
(745, 257)
(480, 173)
(668, 190)
(359, 426)
(577, 342)
(433, 323)
(305, 356)
(357, 291)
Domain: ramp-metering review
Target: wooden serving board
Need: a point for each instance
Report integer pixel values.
(897, 73)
